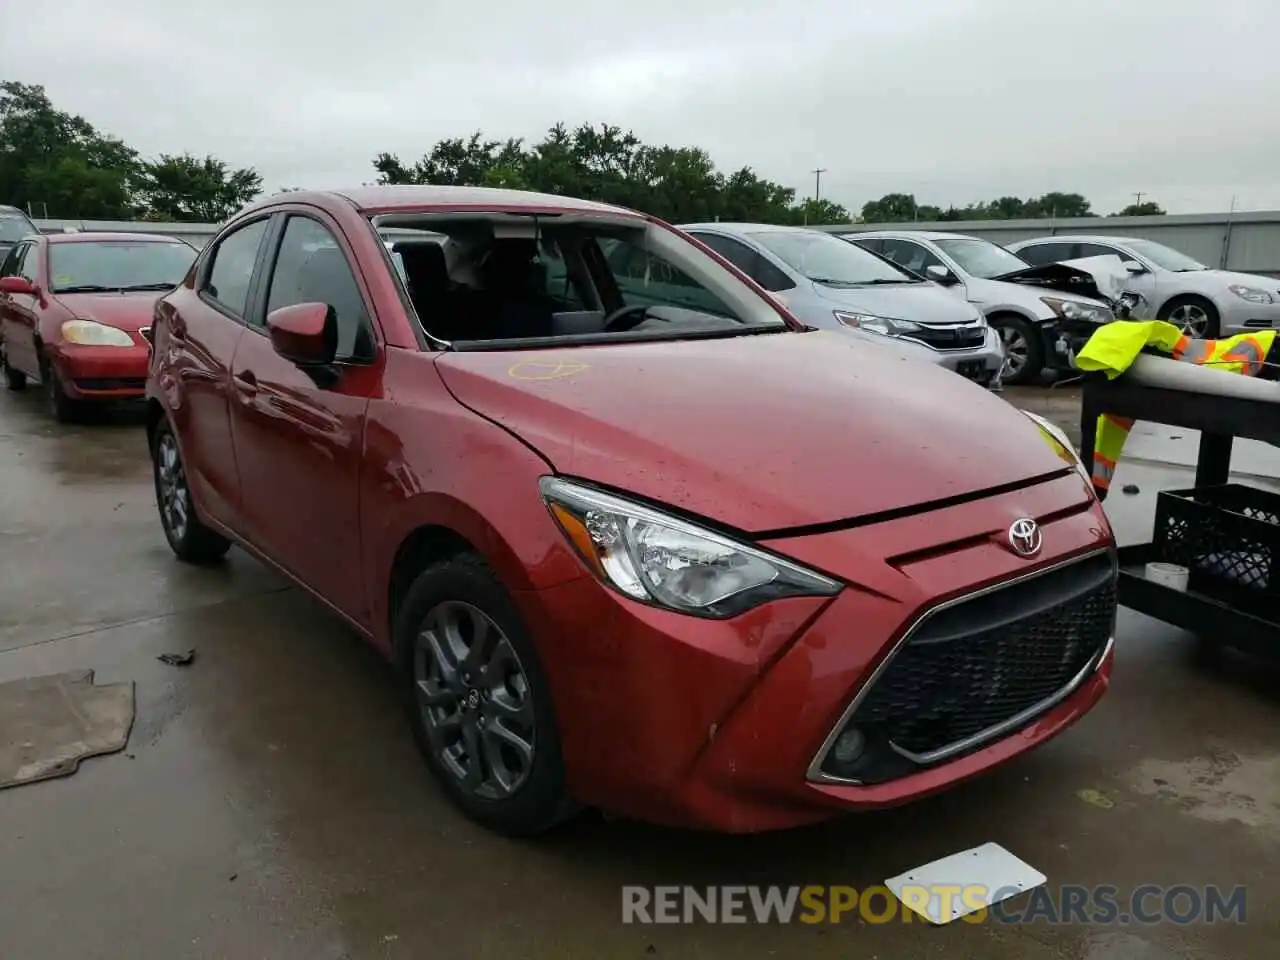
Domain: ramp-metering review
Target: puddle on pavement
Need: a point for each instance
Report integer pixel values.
(1125, 946)
(1218, 788)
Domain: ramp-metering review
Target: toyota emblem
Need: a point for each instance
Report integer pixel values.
(1025, 537)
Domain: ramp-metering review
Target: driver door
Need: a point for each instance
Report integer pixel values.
(298, 440)
(19, 311)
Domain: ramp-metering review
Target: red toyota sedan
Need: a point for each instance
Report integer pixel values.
(634, 538)
(73, 308)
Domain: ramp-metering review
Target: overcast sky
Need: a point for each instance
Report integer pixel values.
(953, 100)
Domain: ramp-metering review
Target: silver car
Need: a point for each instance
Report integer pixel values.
(1004, 287)
(1202, 301)
(831, 284)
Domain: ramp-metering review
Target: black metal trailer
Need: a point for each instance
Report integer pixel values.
(1219, 420)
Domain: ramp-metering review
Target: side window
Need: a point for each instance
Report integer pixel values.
(739, 254)
(645, 278)
(748, 261)
(1038, 254)
(1097, 250)
(30, 265)
(312, 268)
(874, 244)
(906, 253)
(9, 266)
(233, 261)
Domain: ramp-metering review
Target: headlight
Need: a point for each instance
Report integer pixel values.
(657, 559)
(1059, 443)
(1074, 310)
(90, 333)
(1252, 294)
(885, 326)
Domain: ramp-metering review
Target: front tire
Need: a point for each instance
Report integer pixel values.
(478, 699)
(1023, 349)
(188, 537)
(1195, 316)
(65, 409)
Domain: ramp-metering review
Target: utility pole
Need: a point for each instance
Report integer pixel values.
(1138, 198)
(817, 183)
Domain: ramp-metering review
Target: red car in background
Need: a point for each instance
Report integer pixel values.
(73, 309)
(640, 542)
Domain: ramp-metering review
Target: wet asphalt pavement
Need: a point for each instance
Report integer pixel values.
(270, 803)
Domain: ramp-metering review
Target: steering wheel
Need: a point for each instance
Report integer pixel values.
(613, 323)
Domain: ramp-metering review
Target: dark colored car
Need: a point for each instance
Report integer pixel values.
(14, 226)
(73, 308)
(646, 555)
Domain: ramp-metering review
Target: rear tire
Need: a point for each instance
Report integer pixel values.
(1024, 350)
(188, 537)
(13, 379)
(478, 699)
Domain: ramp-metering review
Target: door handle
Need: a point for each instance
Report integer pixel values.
(246, 381)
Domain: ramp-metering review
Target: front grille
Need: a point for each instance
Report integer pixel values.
(970, 668)
(951, 338)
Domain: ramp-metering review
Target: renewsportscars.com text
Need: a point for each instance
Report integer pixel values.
(1068, 904)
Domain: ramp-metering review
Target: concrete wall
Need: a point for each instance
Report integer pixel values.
(1248, 242)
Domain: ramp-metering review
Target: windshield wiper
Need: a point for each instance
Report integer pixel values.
(86, 288)
(147, 286)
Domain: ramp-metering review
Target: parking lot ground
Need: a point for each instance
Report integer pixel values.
(270, 803)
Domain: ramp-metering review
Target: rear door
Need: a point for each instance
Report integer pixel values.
(195, 347)
(298, 436)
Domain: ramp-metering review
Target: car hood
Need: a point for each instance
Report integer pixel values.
(125, 311)
(1225, 277)
(1062, 277)
(921, 302)
(759, 433)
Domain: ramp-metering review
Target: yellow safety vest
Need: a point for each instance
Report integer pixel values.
(1115, 346)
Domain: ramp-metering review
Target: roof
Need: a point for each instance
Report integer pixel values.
(414, 198)
(89, 236)
(1083, 238)
(746, 227)
(921, 234)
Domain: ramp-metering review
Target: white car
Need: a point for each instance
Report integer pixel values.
(1202, 301)
(1011, 294)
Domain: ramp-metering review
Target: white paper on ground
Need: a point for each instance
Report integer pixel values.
(964, 883)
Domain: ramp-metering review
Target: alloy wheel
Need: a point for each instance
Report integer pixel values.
(475, 700)
(1016, 351)
(1191, 319)
(175, 498)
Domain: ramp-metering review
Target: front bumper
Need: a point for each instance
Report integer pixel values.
(725, 725)
(1241, 316)
(980, 363)
(102, 373)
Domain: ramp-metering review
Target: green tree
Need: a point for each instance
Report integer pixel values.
(187, 188)
(58, 162)
(891, 208)
(606, 163)
(1148, 208)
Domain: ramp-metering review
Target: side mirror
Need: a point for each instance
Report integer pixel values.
(940, 274)
(1134, 267)
(304, 333)
(17, 285)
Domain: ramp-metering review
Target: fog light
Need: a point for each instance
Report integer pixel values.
(849, 746)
